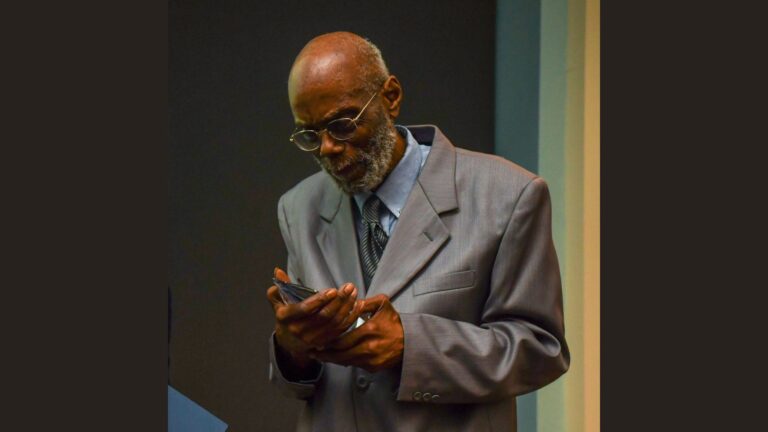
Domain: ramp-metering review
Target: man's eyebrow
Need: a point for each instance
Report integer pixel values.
(333, 115)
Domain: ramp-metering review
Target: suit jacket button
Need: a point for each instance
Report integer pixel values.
(363, 382)
(426, 397)
(435, 397)
(417, 395)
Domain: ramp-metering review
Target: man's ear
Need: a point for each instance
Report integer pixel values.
(393, 93)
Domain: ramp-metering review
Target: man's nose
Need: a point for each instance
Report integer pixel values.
(329, 146)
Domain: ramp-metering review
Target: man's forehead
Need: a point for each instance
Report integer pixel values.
(327, 91)
(316, 96)
(320, 106)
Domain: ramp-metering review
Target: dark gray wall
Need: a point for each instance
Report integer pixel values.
(230, 160)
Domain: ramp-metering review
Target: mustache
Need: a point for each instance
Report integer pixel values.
(339, 164)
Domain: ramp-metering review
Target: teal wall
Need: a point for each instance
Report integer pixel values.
(553, 100)
(531, 62)
(517, 81)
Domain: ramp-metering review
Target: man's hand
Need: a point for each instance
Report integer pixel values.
(314, 322)
(376, 345)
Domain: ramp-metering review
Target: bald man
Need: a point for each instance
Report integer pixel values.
(440, 297)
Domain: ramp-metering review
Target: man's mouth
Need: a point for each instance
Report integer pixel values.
(345, 170)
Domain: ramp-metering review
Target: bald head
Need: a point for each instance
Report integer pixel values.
(340, 59)
(339, 82)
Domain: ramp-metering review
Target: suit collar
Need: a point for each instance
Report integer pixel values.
(330, 202)
(420, 231)
(438, 177)
(338, 242)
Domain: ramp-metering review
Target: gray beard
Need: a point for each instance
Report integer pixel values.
(376, 157)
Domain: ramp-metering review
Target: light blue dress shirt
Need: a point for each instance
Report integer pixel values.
(394, 191)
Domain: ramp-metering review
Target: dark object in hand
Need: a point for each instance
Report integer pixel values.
(293, 292)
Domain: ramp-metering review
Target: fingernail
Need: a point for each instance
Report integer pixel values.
(330, 293)
(348, 289)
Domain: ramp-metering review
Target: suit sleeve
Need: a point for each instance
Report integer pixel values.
(519, 345)
(298, 389)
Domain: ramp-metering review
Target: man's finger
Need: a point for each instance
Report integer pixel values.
(294, 311)
(348, 304)
(316, 301)
(351, 316)
(334, 314)
(349, 292)
(329, 310)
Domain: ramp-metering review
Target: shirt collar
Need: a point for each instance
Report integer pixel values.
(394, 191)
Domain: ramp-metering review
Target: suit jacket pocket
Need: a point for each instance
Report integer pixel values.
(446, 282)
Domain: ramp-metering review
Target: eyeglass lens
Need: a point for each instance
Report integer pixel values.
(340, 129)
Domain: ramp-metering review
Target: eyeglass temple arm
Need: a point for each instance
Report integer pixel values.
(357, 117)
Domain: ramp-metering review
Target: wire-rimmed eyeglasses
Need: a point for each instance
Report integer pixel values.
(340, 129)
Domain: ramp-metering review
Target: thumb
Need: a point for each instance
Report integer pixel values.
(374, 303)
(281, 275)
(273, 296)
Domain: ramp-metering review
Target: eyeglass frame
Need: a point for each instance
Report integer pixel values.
(325, 129)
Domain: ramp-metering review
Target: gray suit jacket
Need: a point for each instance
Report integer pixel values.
(472, 270)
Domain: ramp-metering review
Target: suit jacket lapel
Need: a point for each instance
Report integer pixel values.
(338, 239)
(420, 232)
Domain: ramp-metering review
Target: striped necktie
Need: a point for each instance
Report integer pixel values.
(374, 238)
